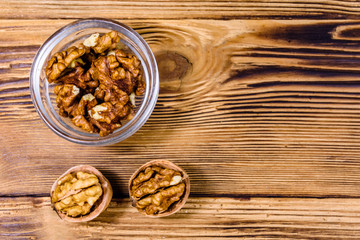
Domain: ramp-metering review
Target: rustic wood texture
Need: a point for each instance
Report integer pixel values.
(201, 218)
(183, 9)
(256, 108)
(259, 104)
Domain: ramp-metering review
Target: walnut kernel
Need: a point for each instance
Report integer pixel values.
(81, 194)
(159, 188)
(92, 40)
(106, 42)
(97, 83)
(76, 190)
(60, 61)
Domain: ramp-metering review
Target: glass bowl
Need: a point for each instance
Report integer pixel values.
(44, 99)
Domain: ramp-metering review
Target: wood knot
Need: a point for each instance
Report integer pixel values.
(347, 32)
(173, 67)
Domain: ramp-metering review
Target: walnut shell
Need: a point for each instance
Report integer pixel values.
(99, 206)
(165, 164)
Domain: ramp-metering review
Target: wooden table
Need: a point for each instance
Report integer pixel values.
(259, 102)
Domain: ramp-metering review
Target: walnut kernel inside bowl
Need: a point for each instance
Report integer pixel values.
(96, 83)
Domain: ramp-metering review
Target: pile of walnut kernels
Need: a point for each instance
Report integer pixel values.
(97, 83)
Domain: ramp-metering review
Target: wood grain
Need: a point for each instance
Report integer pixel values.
(201, 218)
(257, 108)
(259, 104)
(165, 9)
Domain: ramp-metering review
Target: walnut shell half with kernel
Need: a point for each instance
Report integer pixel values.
(159, 188)
(81, 194)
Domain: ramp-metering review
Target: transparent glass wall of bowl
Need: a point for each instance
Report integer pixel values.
(73, 34)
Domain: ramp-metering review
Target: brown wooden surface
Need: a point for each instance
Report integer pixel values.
(257, 99)
(201, 218)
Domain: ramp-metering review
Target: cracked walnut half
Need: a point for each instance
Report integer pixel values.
(159, 188)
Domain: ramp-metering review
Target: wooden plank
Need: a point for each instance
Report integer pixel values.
(165, 9)
(201, 218)
(257, 108)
